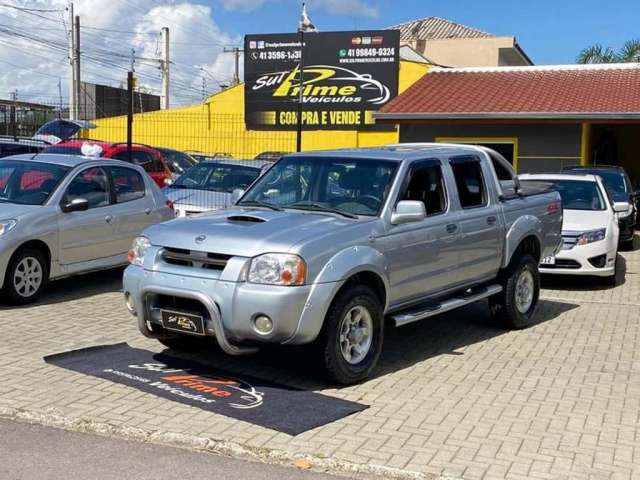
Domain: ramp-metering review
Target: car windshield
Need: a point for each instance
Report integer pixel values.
(578, 194)
(28, 183)
(616, 185)
(179, 162)
(217, 177)
(339, 185)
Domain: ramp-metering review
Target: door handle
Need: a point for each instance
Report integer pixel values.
(108, 218)
(452, 228)
(491, 220)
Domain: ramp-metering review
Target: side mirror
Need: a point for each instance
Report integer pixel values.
(76, 205)
(408, 211)
(236, 194)
(621, 207)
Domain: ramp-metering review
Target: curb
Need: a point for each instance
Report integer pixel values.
(215, 446)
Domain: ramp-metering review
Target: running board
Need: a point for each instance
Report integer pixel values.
(451, 303)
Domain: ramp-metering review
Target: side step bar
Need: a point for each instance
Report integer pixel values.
(451, 303)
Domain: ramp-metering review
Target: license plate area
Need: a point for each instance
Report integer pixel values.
(182, 322)
(551, 260)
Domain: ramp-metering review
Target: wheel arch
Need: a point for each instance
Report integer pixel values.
(35, 244)
(524, 234)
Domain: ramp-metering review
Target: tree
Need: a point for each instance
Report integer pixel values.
(630, 52)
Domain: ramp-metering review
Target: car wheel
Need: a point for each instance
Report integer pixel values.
(515, 307)
(351, 340)
(26, 276)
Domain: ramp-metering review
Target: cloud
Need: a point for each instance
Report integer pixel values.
(197, 43)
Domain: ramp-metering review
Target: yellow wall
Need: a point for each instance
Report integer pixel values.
(217, 126)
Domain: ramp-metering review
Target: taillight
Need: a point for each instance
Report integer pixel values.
(169, 204)
(553, 208)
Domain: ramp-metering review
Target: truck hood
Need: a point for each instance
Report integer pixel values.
(583, 220)
(245, 232)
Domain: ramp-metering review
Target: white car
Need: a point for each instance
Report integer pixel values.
(589, 228)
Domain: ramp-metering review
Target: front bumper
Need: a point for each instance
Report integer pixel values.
(229, 308)
(584, 260)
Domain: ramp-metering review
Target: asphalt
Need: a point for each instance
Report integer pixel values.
(34, 452)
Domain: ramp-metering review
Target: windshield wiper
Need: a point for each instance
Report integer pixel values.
(318, 207)
(256, 203)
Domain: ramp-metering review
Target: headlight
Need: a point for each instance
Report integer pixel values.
(7, 225)
(592, 236)
(138, 249)
(277, 269)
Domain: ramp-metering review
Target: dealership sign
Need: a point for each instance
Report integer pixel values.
(347, 77)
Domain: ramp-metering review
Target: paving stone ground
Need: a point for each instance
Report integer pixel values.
(455, 395)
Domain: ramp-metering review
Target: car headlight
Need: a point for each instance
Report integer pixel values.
(7, 225)
(277, 269)
(592, 236)
(139, 247)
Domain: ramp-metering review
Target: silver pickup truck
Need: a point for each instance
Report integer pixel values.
(327, 247)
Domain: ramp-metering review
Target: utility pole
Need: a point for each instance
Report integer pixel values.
(72, 70)
(236, 75)
(60, 95)
(204, 87)
(130, 100)
(76, 44)
(164, 68)
(12, 113)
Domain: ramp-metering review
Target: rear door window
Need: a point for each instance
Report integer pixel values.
(426, 185)
(472, 190)
(128, 184)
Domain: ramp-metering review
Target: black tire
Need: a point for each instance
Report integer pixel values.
(186, 343)
(334, 364)
(504, 307)
(23, 296)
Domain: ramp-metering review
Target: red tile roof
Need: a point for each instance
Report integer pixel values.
(562, 92)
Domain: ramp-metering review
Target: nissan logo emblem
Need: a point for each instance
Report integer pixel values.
(200, 238)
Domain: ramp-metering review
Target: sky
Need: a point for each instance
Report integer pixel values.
(551, 32)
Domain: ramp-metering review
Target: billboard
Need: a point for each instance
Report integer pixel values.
(347, 77)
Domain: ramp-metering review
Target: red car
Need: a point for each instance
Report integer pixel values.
(148, 158)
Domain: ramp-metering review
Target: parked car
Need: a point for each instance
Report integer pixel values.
(149, 158)
(270, 156)
(179, 162)
(48, 134)
(590, 229)
(210, 184)
(620, 189)
(62, 214)
(412, 231)
(10, 145)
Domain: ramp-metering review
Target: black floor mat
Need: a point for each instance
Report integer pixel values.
(263, 403)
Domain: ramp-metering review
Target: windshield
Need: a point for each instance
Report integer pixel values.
(28, 183)
(178, 162)
(351, 186)
(616, 185)
(217, 177)
(577, 194)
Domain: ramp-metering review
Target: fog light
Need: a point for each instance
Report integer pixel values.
(128, 301)
(263, 324)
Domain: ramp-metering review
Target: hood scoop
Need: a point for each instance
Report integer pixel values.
(245, 219)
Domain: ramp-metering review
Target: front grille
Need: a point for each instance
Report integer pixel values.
(562, 263)
(569, 239)
(194, 258)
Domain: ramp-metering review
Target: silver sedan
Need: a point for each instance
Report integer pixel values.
(61, 215)
(210, 184)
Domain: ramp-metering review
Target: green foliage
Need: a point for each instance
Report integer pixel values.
(630, 52)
